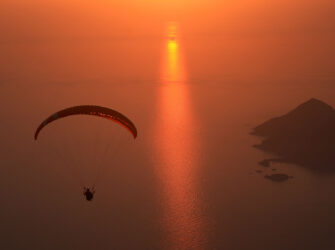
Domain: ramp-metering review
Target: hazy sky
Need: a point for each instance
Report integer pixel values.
(258, 38)
(34, 19)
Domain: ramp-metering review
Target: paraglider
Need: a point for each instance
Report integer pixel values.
(90, 110)
(88, 193)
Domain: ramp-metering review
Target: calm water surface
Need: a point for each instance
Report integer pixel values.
(189, 180)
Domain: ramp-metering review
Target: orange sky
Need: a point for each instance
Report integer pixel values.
(29, 19)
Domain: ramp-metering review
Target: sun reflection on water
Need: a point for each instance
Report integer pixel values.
(177, 150)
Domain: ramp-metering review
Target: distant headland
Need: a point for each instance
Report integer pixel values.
(305, 136)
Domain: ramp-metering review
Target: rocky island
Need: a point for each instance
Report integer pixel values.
(305, 136)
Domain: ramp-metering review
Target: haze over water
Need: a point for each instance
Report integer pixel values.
(195, 80)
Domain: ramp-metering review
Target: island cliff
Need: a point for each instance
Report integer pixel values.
(305, 136)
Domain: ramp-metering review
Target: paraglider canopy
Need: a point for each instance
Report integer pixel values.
(99, 111)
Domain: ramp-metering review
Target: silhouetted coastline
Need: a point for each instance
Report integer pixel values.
(277, 177)
(305, 136)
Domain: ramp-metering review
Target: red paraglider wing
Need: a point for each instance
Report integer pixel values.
(90, 110)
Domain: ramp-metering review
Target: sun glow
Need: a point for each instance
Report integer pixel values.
(173, 69)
